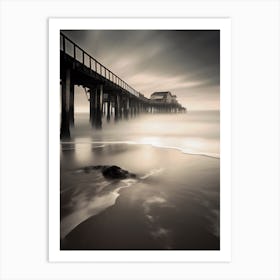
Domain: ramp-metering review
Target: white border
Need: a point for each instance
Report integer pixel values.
(223, 255)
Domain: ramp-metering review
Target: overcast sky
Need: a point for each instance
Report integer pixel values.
(186, 62)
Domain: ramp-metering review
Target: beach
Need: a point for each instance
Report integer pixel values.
(172, 201)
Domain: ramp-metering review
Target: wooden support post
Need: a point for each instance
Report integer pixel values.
(72, 92)
(131, 107)
(135, 108)
(92, 103)
(99, 106)
(126, 107)
(138, 108)
(117, 101)
(120, 106)
(65, 105)
(103, 104)
(123, 98)
(108, 107)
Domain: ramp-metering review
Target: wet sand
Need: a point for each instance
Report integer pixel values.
(172, 204)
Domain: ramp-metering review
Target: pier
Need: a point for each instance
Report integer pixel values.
(108, 95)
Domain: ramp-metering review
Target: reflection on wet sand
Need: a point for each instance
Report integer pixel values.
(173, 203)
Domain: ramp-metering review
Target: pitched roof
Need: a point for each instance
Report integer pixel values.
(160, 93)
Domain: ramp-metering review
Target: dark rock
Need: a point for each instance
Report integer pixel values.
(115, 172)
(110, 171)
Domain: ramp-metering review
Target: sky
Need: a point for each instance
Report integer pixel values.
(184, 62)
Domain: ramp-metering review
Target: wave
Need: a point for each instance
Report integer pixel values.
(86, 204)
(92, 196)
(184, 150)
(152, 172)
(187, 151)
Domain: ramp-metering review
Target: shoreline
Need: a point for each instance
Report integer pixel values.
(180, 149)
(171, 209)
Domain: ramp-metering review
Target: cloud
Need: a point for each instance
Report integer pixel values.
(185, 62)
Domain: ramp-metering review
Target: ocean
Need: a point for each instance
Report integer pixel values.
(172, 201)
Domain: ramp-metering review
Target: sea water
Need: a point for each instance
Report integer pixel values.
(196, 132)
(176, 160)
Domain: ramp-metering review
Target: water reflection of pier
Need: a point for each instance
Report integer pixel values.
(107, 93)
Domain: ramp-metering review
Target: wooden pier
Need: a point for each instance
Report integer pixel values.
(107, 93)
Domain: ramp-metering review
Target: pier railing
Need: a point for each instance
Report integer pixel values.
(69, 47)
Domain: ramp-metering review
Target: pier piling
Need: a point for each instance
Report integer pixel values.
(65, 104)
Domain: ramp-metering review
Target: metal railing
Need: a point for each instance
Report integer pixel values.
(73, 50)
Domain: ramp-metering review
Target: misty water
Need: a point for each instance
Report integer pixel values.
(171, 203)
